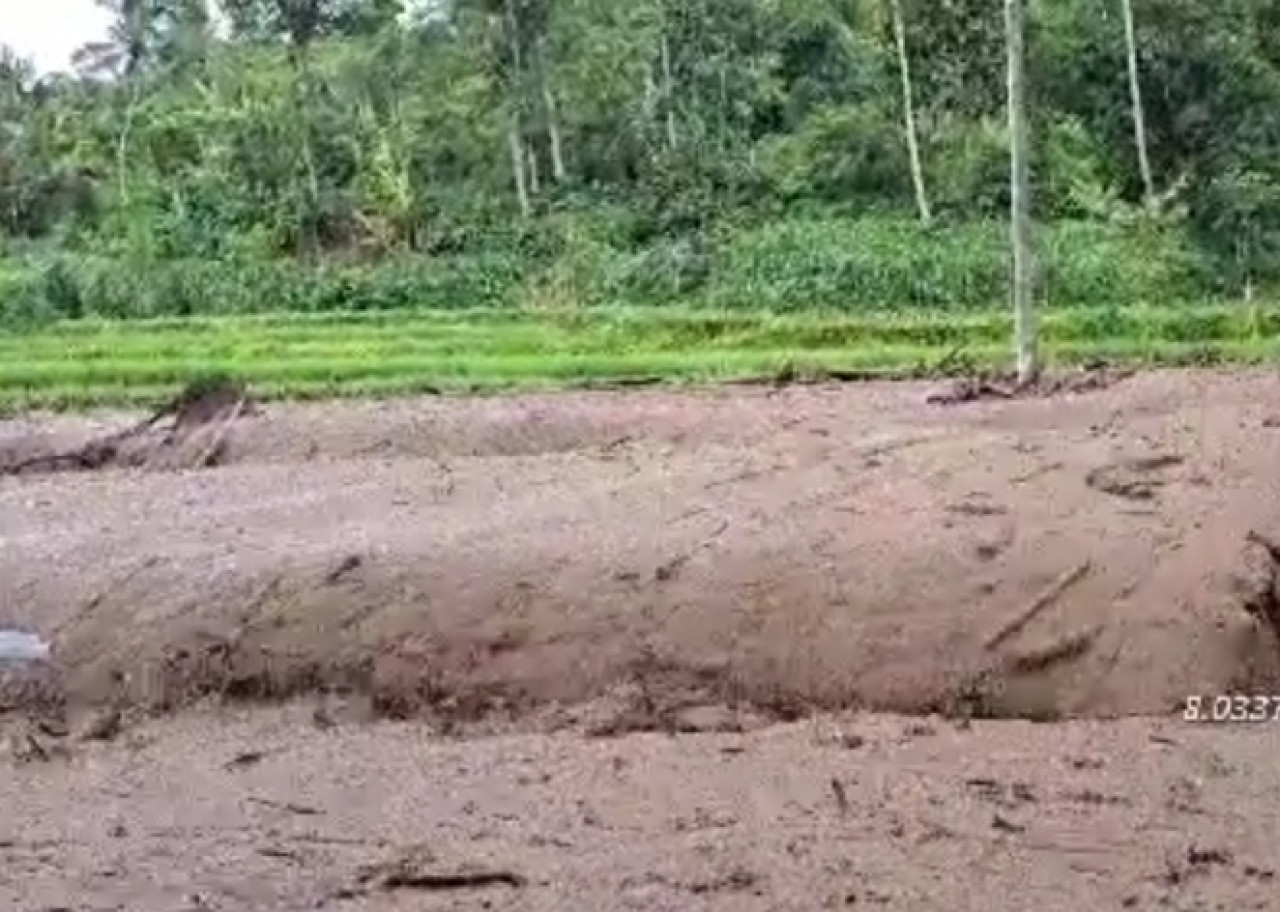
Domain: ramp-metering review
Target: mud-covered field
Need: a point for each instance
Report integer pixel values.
(266, 811)
(530, 579)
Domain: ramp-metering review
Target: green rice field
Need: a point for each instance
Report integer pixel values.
(85, 363)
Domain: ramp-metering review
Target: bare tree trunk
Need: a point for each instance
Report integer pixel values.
(122, 143)
(1026, 332)
(650, 95)
(909, 113)
(516, 143)
(558, 171)
(668, 95)
(535, 177)
(300, 57)
(515, 134)
(1135, 95)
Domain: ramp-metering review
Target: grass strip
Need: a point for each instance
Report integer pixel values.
(75, 385)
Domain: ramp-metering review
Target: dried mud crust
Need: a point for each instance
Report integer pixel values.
(650, 553)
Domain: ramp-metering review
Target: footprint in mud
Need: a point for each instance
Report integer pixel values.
(1133, 479)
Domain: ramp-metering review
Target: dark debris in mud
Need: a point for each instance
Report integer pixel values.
(189, 431)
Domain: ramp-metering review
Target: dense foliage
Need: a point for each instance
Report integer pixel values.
(318, 155)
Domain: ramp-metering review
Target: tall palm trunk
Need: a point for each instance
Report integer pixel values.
(515, 128)
(515, 143)
(1026, 332)
(549, 108)
(1135, 96)
(909, 112)
(1139, 119)
(668, 95)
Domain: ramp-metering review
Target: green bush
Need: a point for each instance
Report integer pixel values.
(852, 265)
(70, 287)
(843, 264)
(1093, 263)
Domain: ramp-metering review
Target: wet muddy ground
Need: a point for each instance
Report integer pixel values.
(613, 607)
(259, 810)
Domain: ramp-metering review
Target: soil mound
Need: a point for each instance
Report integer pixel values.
(771, 551)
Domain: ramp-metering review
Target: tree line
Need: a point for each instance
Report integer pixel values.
(493, 134)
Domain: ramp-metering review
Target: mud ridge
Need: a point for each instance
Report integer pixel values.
(494, 562)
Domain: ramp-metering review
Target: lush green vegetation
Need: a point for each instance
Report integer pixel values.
(485, 192)
(790, 265)
(335, 353)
